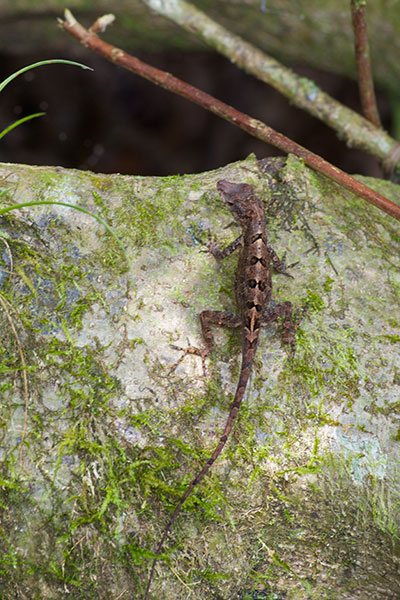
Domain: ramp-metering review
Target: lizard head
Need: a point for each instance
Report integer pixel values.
(240, 199)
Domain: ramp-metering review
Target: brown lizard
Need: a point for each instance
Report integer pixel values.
(253, 287)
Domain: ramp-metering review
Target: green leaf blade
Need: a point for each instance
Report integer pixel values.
(39, 64)
(19, 122)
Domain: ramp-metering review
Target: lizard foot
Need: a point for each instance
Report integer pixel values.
(212, 247)
(193, 351)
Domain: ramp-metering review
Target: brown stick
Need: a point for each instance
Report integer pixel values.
(365, 82)
(256, 128)
(351, 127)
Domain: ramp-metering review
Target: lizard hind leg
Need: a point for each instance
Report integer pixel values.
(290, 321)
(289, 325)
(207, 318)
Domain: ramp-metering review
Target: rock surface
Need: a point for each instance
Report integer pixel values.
(99, 438)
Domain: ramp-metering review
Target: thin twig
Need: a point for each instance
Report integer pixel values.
(350, 126)
(4, 304)
(181, 580)
(10, 258)
(253, 126)
(365, 82)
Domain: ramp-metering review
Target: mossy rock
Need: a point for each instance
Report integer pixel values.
(100, 438)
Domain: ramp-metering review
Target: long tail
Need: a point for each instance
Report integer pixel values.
(247, 361)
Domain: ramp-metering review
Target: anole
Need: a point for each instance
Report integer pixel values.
(253, 288)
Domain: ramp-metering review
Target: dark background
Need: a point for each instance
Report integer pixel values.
(112, 121)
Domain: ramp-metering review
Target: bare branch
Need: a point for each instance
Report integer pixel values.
(350, 126)
(365, 83)
(256, 128)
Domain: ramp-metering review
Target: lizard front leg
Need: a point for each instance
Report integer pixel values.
(217, 252)
(278, 264)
